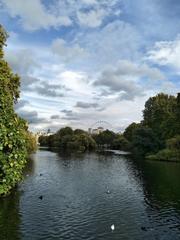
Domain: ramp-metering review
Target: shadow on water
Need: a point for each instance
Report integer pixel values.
(10, 217)
(161, 181)
(161, 186)
(83, 194)
(30, 166)
(10, 214)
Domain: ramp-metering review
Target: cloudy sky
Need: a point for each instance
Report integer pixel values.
(82, 61)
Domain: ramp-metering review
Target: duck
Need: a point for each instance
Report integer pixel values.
(41, 197)
(112, 227)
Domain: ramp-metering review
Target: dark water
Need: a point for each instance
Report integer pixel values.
(143, 203)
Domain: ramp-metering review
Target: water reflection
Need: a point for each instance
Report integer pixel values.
(84, 194)
(10, 217)
(161, 185)
(161, 181)
(10, 213)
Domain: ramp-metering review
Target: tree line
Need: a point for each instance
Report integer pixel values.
(67, 139)
(157, 136)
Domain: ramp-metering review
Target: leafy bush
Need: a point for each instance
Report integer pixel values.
(165, 155)
(31, 142)
(104, 138)
(85, 142)
(145, 141)
(68, 140)
(170, 153)
(174, 143)
(129, 131)
(13, 130)
(121, 143)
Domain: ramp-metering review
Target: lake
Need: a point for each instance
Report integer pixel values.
(80, 196)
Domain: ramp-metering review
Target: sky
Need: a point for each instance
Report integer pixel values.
(83, 61)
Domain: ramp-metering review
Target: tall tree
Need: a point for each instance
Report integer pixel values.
(129, 131)
(12, 128)
(178, 114)
(159, 115)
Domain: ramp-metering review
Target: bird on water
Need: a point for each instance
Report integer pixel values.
(112, 227)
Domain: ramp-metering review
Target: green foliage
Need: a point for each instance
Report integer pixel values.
(145, 141)
(165, 155)
(64, 140)
(129, 131)
(64, 131)
(161, 121)
(78, 131)
(44, 141)
(85, 141)
(31, 142)
(78, 140)
(170, 153)
(68, 140)
(174, 143)
(160, 115)
(13, 130)
(3, 38)
(121, 143)
(104, 138)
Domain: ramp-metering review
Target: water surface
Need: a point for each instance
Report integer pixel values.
(83, 195)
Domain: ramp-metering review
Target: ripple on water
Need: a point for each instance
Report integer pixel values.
(75, 203)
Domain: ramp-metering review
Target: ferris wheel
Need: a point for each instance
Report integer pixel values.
(102, 124)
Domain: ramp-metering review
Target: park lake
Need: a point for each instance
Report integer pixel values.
(80, 196)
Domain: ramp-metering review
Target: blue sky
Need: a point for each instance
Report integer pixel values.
(81, 61)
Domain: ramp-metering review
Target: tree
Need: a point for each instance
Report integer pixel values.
(44, 141)
(173, 143)
(105, 138)
(170, 153)
(68, 140)
(159, 115)
(129, 131)
(121, 143)
(78, 131)
(145, 141)
(177, 114)
(13, 148)
(31, 142)
(85, 141)
(64, 131)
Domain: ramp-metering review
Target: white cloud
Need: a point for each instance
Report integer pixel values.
(45, 87)
(126, 79)
(117, 40)
(31, 116)
(65, 51)
(34, 15)
(86, 105)
(166, 53)
(50, 90)
(90, 2)
(92, 18)
(131, 69)
(22, 61)
(20, 104)
(99, 10)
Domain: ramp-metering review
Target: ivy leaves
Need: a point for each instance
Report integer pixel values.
(13, 130)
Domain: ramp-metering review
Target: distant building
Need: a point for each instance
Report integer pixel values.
(97, 130)
(89, 130)
(44, 133)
